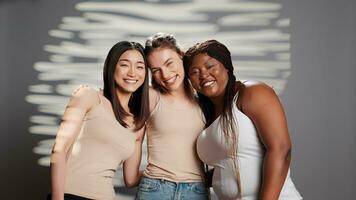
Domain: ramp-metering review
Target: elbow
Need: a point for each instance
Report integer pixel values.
(57, 155)
(130, 183)
(133, 180)
(287, 150)
(287, 153)
(283, 150)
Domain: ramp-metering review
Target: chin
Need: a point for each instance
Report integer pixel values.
(208, 93)
(172, 87)
(130, 89)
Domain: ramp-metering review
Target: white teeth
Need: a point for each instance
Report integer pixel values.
(206, 84)
(171, 80)
(131, 81)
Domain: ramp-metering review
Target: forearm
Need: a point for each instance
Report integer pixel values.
(132, 178)
(275, 169)
(58, 168)
(131, 168)
(137, 179)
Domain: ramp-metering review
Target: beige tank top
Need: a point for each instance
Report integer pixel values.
(171, 140)
(101, 146)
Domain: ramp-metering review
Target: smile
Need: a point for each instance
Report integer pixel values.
(171, 80)
(208, 83)
(130, 81)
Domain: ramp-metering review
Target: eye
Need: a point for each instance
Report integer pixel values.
(169, 64)
(140, 67)
(194, 72)
(210, 65)
(154, 71)
(123, 65)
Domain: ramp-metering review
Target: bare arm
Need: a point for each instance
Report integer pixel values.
(80, 102)
(131, 166)
(262, 105)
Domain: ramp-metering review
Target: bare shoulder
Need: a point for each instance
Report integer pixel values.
(85, 97)
(253, 88)
(253, 95)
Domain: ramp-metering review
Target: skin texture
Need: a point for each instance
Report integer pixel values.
(131, 166)
(209, 77)
(260, 103)
(130, 71)
(167, 69)
(129, 75)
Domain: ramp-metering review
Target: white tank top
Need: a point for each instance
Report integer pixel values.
(211, 148)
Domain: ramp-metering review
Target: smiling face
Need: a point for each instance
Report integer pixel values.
(167, 68)
(130, 71)
(208, 76)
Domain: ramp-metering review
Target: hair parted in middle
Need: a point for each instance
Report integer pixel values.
(138, 103)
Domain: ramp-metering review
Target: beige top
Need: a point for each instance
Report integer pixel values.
(171, 140)
(101, 146)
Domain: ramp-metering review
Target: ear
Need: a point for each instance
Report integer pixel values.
(181, 55)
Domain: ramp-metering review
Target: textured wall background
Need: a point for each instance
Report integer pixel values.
(319, 95)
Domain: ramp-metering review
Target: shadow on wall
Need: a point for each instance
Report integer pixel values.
(254, 31)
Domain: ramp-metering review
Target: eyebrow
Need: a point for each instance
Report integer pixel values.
(205, 63)
(169, 59)
(208, 61)
(165, 62)
(141, 62)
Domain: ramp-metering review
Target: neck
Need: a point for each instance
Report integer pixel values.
(218, 102)
(124, 98)
(179, 93)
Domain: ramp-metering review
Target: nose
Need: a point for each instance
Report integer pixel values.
(165, 74)
(203, 74)
(131, 71)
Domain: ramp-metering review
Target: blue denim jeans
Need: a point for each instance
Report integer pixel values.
(158, 189)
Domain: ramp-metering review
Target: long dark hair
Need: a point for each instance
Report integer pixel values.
(164, 40)
(220, 52)
(138, 103)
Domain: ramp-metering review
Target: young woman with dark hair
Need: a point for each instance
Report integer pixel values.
(174, 171)
(246, 137)
(100, 131)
